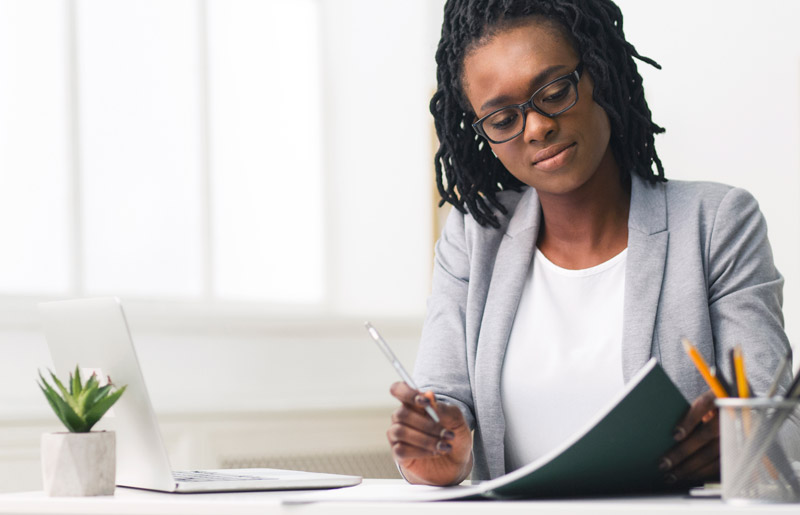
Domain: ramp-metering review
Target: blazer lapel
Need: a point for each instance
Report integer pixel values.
(511, 266)
(648, 238)
(647, 249)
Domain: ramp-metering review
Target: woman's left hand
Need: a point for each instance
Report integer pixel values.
(696, 455)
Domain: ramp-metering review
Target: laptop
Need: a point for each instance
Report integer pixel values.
(93, 333)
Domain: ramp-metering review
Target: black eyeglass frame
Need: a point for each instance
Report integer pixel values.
(573, 77)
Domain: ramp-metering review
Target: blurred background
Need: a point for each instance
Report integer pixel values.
(253, 178)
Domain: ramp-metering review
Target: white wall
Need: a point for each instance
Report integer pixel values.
(729, 97)
(377, 114)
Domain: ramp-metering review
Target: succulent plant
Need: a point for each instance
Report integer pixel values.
(80, 407)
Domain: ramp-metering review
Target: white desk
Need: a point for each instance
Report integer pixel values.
(137, 502)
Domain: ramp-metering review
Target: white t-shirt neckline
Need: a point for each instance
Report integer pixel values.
(583, 272)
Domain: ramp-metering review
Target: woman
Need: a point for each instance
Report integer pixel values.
(567, 255)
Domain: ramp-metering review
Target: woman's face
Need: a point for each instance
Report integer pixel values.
(554, 155)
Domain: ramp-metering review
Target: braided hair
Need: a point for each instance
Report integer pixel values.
(468, 175)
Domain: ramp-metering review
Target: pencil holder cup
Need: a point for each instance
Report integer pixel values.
(755, 465)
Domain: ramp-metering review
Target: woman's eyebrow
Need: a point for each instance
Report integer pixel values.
(504, 100)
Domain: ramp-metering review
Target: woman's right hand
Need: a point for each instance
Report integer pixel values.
(428, 452)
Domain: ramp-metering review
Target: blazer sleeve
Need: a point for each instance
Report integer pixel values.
(442, 363)
(745, 300)
(745, 290)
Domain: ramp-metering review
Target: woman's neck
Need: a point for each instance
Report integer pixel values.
(590, 225)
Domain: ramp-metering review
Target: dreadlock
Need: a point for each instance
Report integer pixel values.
(468, 175)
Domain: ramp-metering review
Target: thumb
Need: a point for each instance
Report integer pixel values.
(450, 416)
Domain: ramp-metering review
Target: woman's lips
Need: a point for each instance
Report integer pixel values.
(553, 157)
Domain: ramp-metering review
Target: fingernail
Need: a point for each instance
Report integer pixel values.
(422, 401)
(443, 446)
(670, 479)
(447, 434)
(665, 464)
(678, 434)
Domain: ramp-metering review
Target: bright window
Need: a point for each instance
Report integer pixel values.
(35, 217)
(114, 180)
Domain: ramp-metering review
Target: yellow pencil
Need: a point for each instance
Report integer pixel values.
(743, 390)
(741, 377)
(702, 367)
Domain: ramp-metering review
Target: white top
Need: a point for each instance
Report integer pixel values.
(563, 362)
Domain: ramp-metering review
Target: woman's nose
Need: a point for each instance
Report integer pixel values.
(538, 127)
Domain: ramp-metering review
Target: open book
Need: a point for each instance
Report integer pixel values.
(617, 453)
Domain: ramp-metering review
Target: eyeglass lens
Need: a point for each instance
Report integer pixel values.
(507, 123)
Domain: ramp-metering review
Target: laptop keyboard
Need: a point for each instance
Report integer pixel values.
(193, 476)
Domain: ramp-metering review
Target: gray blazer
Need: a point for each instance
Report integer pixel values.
(699, 266)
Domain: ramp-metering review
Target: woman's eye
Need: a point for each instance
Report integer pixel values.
(556, 94)
(503, 120)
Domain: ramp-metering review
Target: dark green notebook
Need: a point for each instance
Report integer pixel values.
(618, 454)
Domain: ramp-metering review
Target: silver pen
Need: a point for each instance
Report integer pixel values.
(387, 351)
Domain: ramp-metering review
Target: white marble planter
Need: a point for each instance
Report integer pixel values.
(79, 464)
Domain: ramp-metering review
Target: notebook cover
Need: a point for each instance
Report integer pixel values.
(616, 454)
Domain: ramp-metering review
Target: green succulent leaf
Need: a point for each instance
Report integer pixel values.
(90, 383)
(57, 382)
(98, 394)
(67, 396)
(75, 382)
(83, 405)
(54, 400)
(71, 420)
(86, 393)
(102, 405)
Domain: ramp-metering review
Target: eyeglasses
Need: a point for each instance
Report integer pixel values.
(550, 100)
